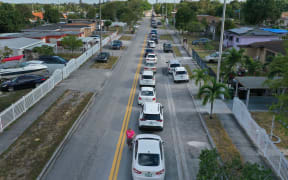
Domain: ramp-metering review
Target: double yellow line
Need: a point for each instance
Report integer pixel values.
(121, 140)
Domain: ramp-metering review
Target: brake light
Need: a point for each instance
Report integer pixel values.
(168, 69)
(154, 99)
(136, 171)
(145, 68)
(43, 79)
(160, 172)
(140, 98)
(159, 120)
(142, 119)
(153, 79)
(154, 68)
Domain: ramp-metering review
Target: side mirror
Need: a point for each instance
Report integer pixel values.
(162, 106)
(163, 142)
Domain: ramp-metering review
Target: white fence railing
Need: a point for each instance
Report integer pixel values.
(260, 138)
(14, 111)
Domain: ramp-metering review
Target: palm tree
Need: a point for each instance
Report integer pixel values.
(200, 75)
(211, 91)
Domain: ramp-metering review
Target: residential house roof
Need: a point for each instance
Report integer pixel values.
(38, 14)
(54, 27)
(253, 82)
(249, 31)
(19, 43)
(277, 31)
(277, 46)
(37, 35)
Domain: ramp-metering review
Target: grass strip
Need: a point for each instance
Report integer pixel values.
(69, 56)
(176, 51)
(26, 157)
(99, 65)
(126, 38)
(190, 73)
(225, 147)
(167, 37)
(8, 98)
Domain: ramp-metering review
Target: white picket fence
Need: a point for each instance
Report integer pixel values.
(17, 109)
(260, 138)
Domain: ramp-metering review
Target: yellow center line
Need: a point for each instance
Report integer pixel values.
(121, 140)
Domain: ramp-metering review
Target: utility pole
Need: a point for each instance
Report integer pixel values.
(166, 13)
(100, 17)
(221, 42)
(174, 20)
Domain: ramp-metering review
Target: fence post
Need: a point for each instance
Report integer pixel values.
(24, 99)
(265, 148)
(13, 110)
(279, 167)
(1, 125)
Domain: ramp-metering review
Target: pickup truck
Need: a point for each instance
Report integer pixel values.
(167, 47)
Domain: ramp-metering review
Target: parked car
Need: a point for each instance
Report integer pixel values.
(172, 64)
(167, 47)
(103, 57)
(151, 116)
(22, 82)
(201, 41)
(148, 160)
(180, 74)
(154, 31)
(147, 79)
(116, 44)
(159, 23)
(51, 66)
(154, 38)
(53, 60)
(149, 66)
(147, 51)
(151, 44)
(146, 94)
(151, 58)
(214, 56)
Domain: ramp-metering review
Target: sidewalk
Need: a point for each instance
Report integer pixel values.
(239, 138)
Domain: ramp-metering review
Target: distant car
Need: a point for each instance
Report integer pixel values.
(214, 57)
(146, 94)
(155, 39)
(147, 79)
(151, 58)
(116, 44)
(201, 41)
(154, 25)
(148, 160)
(180, 75)
(172, 64)
(149, 66)
(151, 44)
(154, 31)
(159, 23)
(103, 57)
(167, 47)
(22, 82)
(151, 116)
(147, 51)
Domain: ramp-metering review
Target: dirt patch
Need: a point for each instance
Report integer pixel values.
(112, 60)
(225, 147)
(176, 51)
(126, 38)
(26, 157)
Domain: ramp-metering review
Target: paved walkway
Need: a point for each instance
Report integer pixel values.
(239, 138)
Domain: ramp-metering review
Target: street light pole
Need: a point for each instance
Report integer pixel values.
(100, 17)
(221, 41)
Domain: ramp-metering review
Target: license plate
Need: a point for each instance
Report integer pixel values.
(148, 174)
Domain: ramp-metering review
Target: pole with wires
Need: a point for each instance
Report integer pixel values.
(100, 17)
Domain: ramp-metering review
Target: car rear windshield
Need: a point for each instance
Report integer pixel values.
(151, 56)
(147, 93)
(150, 64)
(147, 77)
(148, 159)
(167, 45)
(181, 72)
(175, 65)
(151, 117)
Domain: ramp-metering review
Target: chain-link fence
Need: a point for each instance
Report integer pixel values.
(13, 112)
(202, 64)
(260, 138)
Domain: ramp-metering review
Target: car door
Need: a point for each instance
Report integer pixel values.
(21, 83)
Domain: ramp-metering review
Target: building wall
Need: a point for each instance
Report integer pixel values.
(258, 53)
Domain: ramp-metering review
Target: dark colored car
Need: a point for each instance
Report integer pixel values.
(147, 51)
(116, 44)
(53, 60)
(22, 82)
(103, 57)
(159, 23)
(155, 39)
(153, 31)
(154, 26)
(201, 41)
(167, 47)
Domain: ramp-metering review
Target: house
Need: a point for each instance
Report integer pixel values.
(37, 16)
(264, 51)
(247, 35)
(212, 22)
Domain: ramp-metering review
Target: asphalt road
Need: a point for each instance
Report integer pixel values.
(90, 153)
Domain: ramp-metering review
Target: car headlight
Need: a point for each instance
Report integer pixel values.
(5, 85)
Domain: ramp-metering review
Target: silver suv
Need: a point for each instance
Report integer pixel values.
(151, 116)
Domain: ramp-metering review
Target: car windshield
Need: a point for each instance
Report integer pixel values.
(175, 65)
(181, 72)
(167, 45)
(214, 55)
(150, 64)
(151, 116)
(61, 59)
(149, 50)
(151, 56)
(147, 77)
(148, 159)
(147, 93)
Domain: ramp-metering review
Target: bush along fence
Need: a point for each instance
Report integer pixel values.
(17, 109)
(259, 137)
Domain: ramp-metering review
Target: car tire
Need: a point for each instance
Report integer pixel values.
(11, 88)
(160, 128)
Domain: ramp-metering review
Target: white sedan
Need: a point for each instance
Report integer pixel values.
(151, 44)
(147, 94)
(151, 58)
(150, 67)
(148, 158)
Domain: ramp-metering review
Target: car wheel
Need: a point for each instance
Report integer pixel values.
(160, 128)
(11, 88)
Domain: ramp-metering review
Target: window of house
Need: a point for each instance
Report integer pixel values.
(237, 40)
(269, 56)
(231, 38)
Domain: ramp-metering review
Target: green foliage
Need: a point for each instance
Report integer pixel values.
(91, 14)
(200, 75)
(229, 24)
(6, 52)
(44, 50)
(254, 67)
(71, 42)
(195, 26)
(210, 168)
(107, 24)
(184, 15)
(51, 14)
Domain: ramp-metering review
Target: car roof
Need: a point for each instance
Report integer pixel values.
(151, 108)
(147, 89)
(151, 54)
(180, 69)
(147, 73)
(148, 146)
(151, 41)
(174, 61)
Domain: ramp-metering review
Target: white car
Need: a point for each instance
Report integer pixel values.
(151, 58)
(150, 67)
(151, 116)
(172, 64)
(214, 57)
(151, 44)
(180, 74)
(147, 79)
(148, 160)
(147, 94)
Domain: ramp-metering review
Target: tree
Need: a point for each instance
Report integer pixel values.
(211, 91)
(183, 16)
(91, 14)
(26, 11)
(44, 50)
(107, 24)
(229, 24)
(72, 43)
(200, 75)
(51, 14)
(195, 26)
(129, 17)
(254, 67)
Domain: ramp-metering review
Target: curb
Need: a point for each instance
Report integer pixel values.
(61, 146)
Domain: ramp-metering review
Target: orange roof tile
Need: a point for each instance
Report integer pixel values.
(38, 14)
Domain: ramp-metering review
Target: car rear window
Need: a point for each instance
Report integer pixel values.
(181, 72)
(147, 77)
(148, 159)
(151, 116)
(150, 64)
(175, 65)
(147, 93)
(151, 56)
